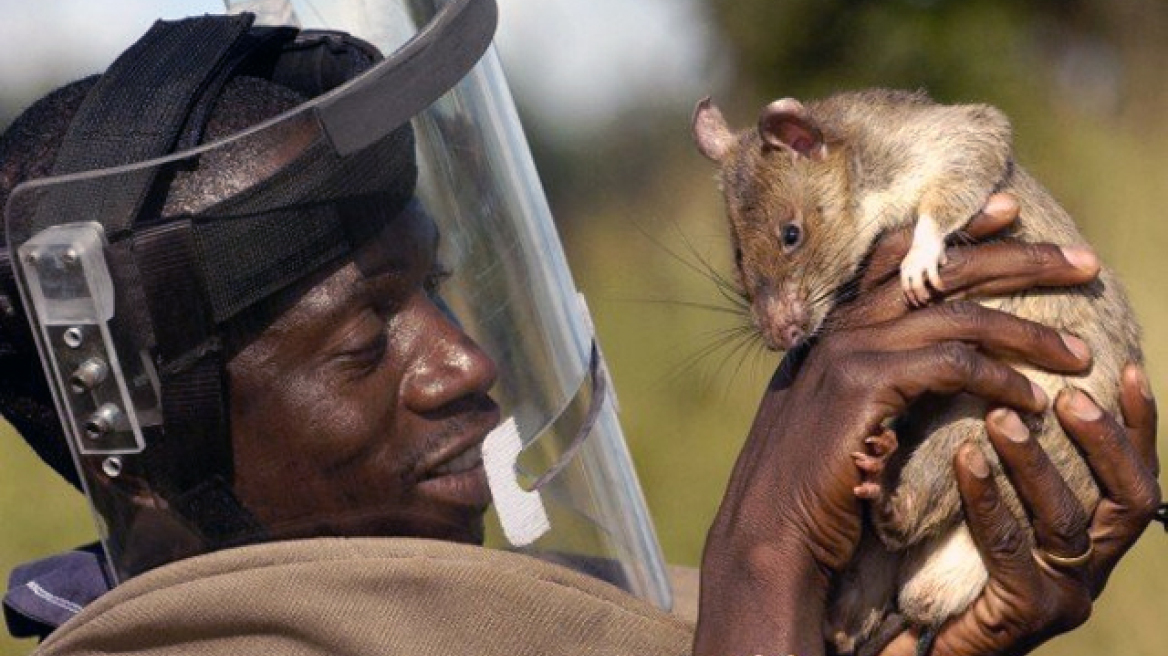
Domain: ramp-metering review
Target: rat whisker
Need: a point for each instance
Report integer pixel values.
(703, 268)
(736, 310)
(721, 338)
(740, 351)
(727, 283)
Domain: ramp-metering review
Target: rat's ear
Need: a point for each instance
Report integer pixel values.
(788, 125)
(710, 131)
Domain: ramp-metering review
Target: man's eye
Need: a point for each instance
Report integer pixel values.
(370, 355)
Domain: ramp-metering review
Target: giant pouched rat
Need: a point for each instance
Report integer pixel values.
(807, 193)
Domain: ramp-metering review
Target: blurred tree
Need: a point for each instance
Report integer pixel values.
(1003, 51)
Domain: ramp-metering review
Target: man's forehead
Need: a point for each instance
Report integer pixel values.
(379, 265)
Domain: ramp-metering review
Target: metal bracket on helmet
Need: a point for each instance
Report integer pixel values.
(72, 295)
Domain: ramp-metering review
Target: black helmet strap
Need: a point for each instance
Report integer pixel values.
(156, 99)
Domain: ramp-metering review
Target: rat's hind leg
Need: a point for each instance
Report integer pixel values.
(941, 577)
(872, 463)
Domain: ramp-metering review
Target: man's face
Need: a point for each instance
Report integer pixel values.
(362, 409)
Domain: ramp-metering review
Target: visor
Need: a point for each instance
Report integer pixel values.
(133, 292)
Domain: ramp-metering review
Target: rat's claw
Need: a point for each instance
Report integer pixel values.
(915, 289)
(935, 276)
(870, 465)
(922, 289)
(868, 491)
(882, 445)
(910, 283)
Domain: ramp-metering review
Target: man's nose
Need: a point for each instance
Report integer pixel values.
(448, 365)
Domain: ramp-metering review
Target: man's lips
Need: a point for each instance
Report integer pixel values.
(464, 451)
(467, 488)
(456, 473)
(467, 460)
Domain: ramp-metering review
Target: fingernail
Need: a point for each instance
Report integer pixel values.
(1010, 425)
(1001, 206)
(1142, 382)
(976, 463)
(1084, 408)
(1040, 395)
(1081, 258)
(1077, 346)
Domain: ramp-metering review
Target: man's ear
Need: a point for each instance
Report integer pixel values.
(788, 125)
(710, 131)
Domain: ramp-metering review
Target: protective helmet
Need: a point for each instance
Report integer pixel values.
(137, 288)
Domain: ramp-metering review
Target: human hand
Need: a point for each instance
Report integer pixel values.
(1034, 594)
(790, 518)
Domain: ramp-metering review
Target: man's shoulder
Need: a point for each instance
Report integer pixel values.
(368, 596)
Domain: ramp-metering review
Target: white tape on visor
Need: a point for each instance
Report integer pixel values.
(521, 513)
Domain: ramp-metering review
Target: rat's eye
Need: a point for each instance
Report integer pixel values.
(791, 235)
(738, 256)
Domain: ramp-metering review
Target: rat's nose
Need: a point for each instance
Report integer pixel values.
(780, 317)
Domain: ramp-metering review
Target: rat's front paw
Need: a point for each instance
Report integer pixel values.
(921, 267)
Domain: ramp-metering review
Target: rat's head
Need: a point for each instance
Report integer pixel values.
(785, 186)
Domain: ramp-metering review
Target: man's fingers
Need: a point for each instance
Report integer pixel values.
(951, 368)
(1008, 267)
(990, 330)
(1059, 520)
(982, 270)
(999, 212)
(1118, 468)
(1000, 540)
(1130, 492)
(884, 261)
(1139, 415)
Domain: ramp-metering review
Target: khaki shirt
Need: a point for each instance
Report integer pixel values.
(362, 597)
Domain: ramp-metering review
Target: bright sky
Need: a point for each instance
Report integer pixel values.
(576, 62)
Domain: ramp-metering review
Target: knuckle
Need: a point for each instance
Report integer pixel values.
(849, 368)
(962, 312)
(1069, 522)
(1039, 256)
(1006, 537)
(854, 375)
(1035, 333)
(958, 265)
(958, 359)
(1145, 501)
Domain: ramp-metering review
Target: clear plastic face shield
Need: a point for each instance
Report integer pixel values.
(414, 171)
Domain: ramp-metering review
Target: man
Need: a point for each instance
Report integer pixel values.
(333, 388)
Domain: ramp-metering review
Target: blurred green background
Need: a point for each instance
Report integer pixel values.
(1083, 81)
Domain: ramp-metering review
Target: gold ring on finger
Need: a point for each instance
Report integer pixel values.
(1065, 562)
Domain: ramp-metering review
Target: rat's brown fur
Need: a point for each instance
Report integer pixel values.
(887, 157)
